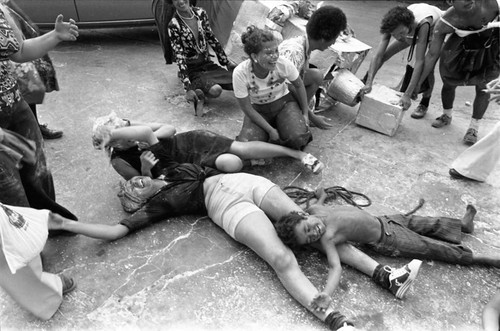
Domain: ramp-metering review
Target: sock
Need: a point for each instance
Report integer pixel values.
(336, 320)
(381, 276)
(425, 101)
(474, 124)
(448, 111)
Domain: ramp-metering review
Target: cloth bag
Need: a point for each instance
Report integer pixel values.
(23, 233)
(30, 83)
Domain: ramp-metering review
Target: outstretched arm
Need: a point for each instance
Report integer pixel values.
(440, 32)
(323, 299)
(37, 47)
(98, 231)
(420, 50)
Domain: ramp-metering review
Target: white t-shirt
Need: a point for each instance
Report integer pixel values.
(266, 90)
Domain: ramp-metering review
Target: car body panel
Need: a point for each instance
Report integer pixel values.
(89, 13)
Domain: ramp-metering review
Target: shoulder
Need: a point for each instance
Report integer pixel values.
(199, 10)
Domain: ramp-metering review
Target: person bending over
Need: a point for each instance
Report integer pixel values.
(145, 148)
(245, 206)
(436, 238)
(322, 30)
(412, 27)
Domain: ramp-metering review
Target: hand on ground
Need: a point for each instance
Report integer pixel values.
(321, 302)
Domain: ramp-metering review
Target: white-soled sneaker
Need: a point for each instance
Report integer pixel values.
(312, 163)
(402, 278)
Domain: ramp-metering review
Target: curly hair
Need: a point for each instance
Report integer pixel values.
(253, 39)
(101, 130)
(285, 227)
(326, 23)
(130, 202)
(395, 17)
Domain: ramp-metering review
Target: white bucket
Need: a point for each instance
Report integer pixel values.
(345, 87)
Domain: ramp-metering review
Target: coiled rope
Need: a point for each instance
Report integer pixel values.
(301, 195)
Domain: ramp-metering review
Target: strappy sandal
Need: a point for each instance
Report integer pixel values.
(68, 284)
(198, 104)
(312, 163)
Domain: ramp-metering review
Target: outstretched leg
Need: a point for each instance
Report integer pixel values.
(257, 232)
(250, 150)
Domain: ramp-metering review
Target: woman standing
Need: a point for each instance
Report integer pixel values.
(260, 86)
(16, 115)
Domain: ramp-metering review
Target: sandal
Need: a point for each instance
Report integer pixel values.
(312, 163)
(198, 104)
(68, 284)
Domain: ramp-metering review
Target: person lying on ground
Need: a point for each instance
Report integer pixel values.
(245, 206)
(144, 148)
(435, 238)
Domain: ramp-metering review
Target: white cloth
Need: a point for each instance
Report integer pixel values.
(268, 89)
(479, 160)
(37, 291)
(23, 234)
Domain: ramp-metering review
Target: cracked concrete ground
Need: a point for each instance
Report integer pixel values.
(187, 274)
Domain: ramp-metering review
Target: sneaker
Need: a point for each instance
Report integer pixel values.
(441, 121)
(313, 164)
(419, 112)
(49, 133)
(470, 137)
(402, 278)
(68, 284)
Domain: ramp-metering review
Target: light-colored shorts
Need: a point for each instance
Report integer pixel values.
(234, 197)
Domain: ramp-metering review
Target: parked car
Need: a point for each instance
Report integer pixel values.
(89, 13)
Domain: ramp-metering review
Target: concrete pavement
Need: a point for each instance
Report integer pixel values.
(187, 274)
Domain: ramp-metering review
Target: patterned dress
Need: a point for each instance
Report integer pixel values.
(196, 69)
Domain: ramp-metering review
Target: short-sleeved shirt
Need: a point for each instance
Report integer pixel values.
(183, 195)
(266, 90)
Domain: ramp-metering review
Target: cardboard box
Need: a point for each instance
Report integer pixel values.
(379, 110)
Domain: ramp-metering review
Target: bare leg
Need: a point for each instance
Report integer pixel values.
(468, 219)
(98, 231)
(248, 150)
(257, 232)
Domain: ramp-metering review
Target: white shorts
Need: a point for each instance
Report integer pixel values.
(234, 197)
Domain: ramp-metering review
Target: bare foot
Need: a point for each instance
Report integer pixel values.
(468, 219)
(55, 221)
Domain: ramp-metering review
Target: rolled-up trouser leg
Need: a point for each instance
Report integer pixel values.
(292, 127)
(36, 291)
